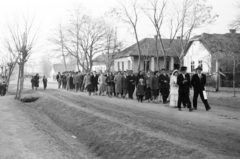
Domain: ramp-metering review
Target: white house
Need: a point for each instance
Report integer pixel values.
(101, 61)
(211, 51)
(128, 58)
(197, 55)
(208, 50)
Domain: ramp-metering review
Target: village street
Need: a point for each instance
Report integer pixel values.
(65, 124)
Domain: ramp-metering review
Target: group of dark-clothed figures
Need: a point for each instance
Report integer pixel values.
(152, 86)
(185, 83)
(35, 82)
(3, 86)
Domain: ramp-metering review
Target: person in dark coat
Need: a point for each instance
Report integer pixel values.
(64, 80)
(94, 81)
(148, 92)
(125, 84)
(198, 82)
(71, 82)
(165, 86)
(59, 80)
(32, 82)
(155, 86)
(140, 90)
(3, 87)
(81, 81)
(183, 80)
(110, 84)
(44, 82)
(36, 81)
(131, 84)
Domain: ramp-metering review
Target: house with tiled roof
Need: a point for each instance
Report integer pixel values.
(127, 59)
(206, 49)
(211, 51)
(102, 62)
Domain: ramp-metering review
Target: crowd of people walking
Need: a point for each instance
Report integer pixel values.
(153, 87)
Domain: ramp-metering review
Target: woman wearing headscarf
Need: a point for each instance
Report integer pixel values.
(174, 89)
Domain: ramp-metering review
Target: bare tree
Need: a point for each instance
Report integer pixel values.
(129, 13)
(232, 55)
(112, 46)
(236, 23)
(8, 65)
(156, 12)
(21, 42)
(92, 40)
(46, 66)
(58, 40)
(192, 15)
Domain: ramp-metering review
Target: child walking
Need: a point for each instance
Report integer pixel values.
(140, 90)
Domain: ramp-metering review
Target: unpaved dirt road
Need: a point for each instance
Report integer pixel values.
(114, 128)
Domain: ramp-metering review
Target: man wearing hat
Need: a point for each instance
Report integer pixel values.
(183, 80)
(165, 86)
(198, 82)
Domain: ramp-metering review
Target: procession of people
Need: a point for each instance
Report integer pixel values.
(156, 87)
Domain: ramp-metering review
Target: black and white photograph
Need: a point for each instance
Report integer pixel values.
(119, 79)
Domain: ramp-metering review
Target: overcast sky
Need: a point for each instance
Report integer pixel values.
(51, 12)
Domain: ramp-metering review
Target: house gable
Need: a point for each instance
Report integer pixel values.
(196, 55)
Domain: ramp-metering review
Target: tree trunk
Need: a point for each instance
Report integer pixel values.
(157, 55)
(139, 50)
(64, 59)
(163, 50)
(21, 80)
(78, 64)
(19, 74)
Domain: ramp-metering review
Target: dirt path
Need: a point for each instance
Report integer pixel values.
(26, 133)
(117, 128)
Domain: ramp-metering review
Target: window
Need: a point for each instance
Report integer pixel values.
(118, 67)
(129, 63)
(192, 66)
(122, 66)
(200, 64)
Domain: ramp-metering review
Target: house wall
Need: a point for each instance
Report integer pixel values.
(134, 64)
(196, 53)
(123, 64)
(99, 67)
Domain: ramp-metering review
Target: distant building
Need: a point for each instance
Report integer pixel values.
(205, 50)
(208, 51)
(100, 62)
(128, 58)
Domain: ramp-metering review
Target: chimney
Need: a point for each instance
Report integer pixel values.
(178, 37)
(232, 31)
